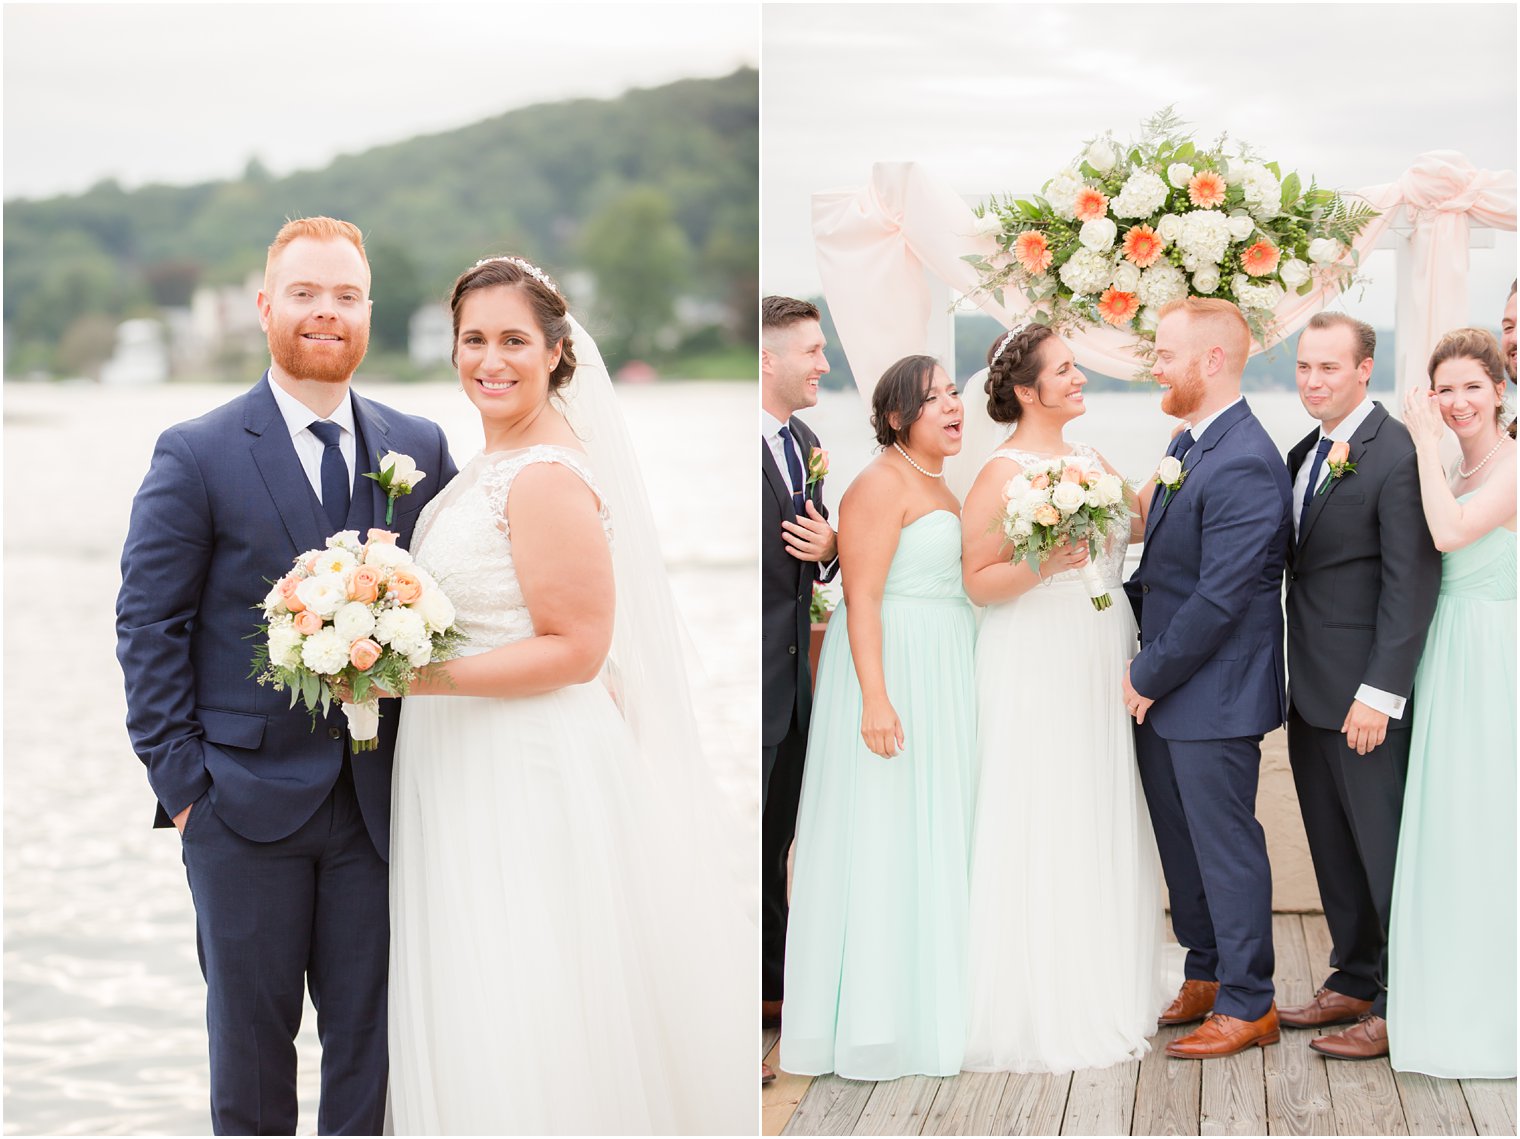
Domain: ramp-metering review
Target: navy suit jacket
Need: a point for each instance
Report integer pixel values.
(1208, 591)
(225, 509)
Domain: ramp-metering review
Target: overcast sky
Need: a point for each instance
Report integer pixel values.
(183, 93)
(997, 98)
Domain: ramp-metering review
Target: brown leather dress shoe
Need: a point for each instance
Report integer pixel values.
(1193, 1002)
(770, 1014)
(1225, 1035)
(1367, 1039)
(1328, 1007)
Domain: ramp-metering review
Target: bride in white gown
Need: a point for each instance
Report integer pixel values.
(1066, 936)
(568, 955)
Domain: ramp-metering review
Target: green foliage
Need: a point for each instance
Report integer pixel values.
(639, 256)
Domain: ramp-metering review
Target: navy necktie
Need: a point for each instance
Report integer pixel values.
(794, 470)
(1319, 461)
(334, 472)
(1180, 444)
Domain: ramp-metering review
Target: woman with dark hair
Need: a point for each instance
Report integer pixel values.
(566, 945)
(1066, 963)
(1453, 919)
(875, 952)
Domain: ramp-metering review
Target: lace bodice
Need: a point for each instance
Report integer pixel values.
(1110, 561)
(463, 541)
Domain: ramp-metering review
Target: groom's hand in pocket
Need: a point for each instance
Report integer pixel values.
(810, 538)
(1365, 728)
(181, 819)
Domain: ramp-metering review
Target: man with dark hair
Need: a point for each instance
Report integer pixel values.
(1361, 592)
(798, 548)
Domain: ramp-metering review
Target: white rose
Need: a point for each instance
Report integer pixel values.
(274, 601)
(1015, 489)
(1098, 234)
(1169, 228)
(421, 655)
(1239, 284)
(353, 621)
(323, 594)
(387, 555)
(1101, 156)
(1179, 174)
(1068, 496)
(1110, 488)
(1294, 272)
(348, 538)
(987, 225)
(399, 627)
(404, 472)
(1140, 196)
(435, 609)
(1127, 277)
(335, 560)
(1149, 319)
(1325, 250)
(1061, 192)
(284, 644)
(1206, 280)
(1170, 470)
(1241, 226)
(1022, 527)
(325, 652)
(1094, 499)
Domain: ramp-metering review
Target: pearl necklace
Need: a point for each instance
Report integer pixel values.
(1465, 474)
(915, 466)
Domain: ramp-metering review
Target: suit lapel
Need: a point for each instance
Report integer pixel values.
(285, 480)
(776, 481)
(1365, 434)
(1199, 454)
(367, 504)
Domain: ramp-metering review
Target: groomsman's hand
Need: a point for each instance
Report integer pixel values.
(1365, 728)
(1134, 703)
(810, 538)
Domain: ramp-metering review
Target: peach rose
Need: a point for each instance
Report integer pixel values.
(405, 586)
(1340, 451)
(364, 585)
(384, 537)
(1046, 514)
(1040, 481)
(287, 587)
(1071, 473)
(308, 623)
(363, 653)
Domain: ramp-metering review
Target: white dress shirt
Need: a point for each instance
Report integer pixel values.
(1386, 702)
(299, 418)
(770, 431)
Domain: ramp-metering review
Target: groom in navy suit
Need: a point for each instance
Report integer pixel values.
(284, 834)
(1208, 681)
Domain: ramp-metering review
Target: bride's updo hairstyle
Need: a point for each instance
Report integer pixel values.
(1016, 366)
(549, 308)
(901, 393)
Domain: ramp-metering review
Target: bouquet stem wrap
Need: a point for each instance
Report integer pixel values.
(363, 724)
(1095, 587)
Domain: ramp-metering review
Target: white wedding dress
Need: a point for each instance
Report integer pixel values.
(561, 963)
(1066, 945)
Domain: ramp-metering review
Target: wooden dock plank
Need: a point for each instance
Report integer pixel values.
(1298, 1090)
(1167, 1091)
(1233, 1099)
(1101, 1100)
(1433, 1107)
(967, 1105)
(1032, 1104)
(899, 1107)
(779, 1099)
(1365, 1098)
(1492, 1103)
(832, 1106)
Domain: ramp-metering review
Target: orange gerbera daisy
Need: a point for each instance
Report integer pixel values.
(1260, 259)
(1142, 246)
(1091, 204)
(1206, 190)
(1033, 251)
(1118, 308)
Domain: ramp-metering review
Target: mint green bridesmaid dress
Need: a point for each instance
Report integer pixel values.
(1451, 952)
(876, 942)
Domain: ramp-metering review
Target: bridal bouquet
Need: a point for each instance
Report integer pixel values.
(1047, 504)
(1122, 231)
(358, 616)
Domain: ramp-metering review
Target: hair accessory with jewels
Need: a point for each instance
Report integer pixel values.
(527, 267)
(1008, 337)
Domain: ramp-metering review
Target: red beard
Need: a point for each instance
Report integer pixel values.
(1186, 395)
(324, 362)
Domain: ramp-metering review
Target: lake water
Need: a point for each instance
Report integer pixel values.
(104, 1002)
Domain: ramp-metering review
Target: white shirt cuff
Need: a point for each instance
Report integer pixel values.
(1385, 702)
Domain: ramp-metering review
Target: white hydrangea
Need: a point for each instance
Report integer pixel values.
(1087, 272)
(1061, 192)
(1162, 283)
(1205, 234)
(1179, 174)
(1206, 280)
(323, 594)
(325, 652)
(1099, 234)
(1325, 250)
(1294, 272)
(1127, 277)
(353, 621)
(398, 627)
(1267, 296)
(1262, 190)
(1241, 226)
(284, 643)
(1141, 195)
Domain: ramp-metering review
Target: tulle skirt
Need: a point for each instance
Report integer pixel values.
(563, 961)
(1067, 969)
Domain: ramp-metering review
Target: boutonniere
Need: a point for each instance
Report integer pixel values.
(398, 475)
(1338, 462)
(817, 468)
(1170, 475)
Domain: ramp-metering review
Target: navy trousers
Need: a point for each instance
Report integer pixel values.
(272, 918)
(1202, 798)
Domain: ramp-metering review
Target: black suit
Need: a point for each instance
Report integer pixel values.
(786, 592)
(1362, 585)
